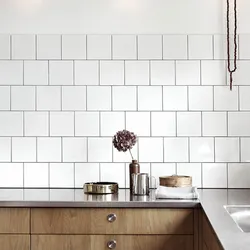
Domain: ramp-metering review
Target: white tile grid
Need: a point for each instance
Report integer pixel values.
(223, 107)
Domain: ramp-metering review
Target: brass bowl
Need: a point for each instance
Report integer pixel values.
(100, 188)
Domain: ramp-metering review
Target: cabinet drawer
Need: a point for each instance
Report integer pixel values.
(125, 221)
(15, 242)
(14, 220)
(100, 242)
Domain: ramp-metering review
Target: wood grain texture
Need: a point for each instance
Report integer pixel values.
(15, 242)
(94, 221)
(14, 220)
(124, 242)
(196, 229)
(210, 241)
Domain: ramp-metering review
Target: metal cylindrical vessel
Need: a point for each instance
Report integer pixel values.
(140, 184)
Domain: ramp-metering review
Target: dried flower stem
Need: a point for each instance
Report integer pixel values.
(131, 154)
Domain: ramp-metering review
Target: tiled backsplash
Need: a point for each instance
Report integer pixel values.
(63, 97)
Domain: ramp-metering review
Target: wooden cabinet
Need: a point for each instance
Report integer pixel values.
(15, 228)
(127, 221)
(96, 229)
(122, 242)
(210, 241)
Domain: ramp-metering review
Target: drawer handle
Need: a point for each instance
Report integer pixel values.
(111, 217)
(111, 244)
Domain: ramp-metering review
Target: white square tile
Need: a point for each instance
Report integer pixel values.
(61, 73)
(49, 150)
(124, 47)
(49, 47)
(5, 149)
(227, 149)
(86, 73)
(8, 179)
(98, 47)
(86, 172)
(200, 97)
(191, 169)
(23, 46)
(112, 72)
(36, 175)
(61, 175)
(4, 46)
(98, 98)
(214, 175)
(119, 156)
(240, 77)
(35, 194)
(238, 175)
(245, 149)
(87, 123)
(11, 124)
(244, 52)
(11, 194)
(36, 73)
(36, 123)
(100, 149)
(150, 149)
(244, 93)
(23, 98)
(149, 47)
(213, 73)
(74, 47)
(224, 99)
(137, 73)
(124, 98)
(214, 123)
(220, 46)
(145, 96)
(74, 98)
(188, 124)
(200, 47)
(188, 73)
(162, 72)
(74, 149)
(111, 122)
(23, 149)
(238, 123)
(175, 149)
(62, 194)
(174, 47)
(175, 98)
(163, 123)
(11, 73)
(48, 98)
(61, 124)
(138, 122)
(4, 98)
(162, 169)
(108, 170)
(202, 149)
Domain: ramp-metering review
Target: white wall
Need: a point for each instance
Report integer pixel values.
(63, 96)
(118, 16)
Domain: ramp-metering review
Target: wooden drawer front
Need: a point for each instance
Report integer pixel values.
(123, 242)
(128, 221)
(14, 220)
(15, 242)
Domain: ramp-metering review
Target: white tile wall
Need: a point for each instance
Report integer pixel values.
(63, 97)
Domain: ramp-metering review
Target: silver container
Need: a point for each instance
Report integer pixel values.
(140, 184)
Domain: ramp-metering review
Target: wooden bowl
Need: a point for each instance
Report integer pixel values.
(176, 181)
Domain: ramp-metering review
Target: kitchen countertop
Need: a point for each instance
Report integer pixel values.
(211, 200)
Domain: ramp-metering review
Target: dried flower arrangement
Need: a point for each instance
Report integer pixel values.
(124, 140)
